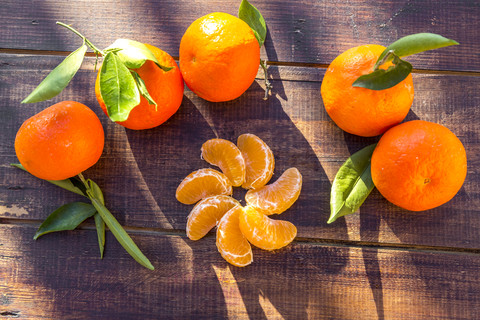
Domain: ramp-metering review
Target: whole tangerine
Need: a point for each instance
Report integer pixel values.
(362, 111)
(165, 87)
(219, 57)
(60, 142)
(419, 165)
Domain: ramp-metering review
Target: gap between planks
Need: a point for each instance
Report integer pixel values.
(298, 240)
(270, 63)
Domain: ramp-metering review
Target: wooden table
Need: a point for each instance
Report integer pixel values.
(383, 262)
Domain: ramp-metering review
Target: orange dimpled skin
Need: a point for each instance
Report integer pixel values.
(60, 141)
(165, 87)
(419, 165)
(219, 57)
(362, 111)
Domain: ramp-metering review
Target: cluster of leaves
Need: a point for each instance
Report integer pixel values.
(69, 216)
(120, 85)
(353, 181)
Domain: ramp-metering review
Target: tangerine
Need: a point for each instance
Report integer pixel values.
(362, 111)
(165, 87)
(201, 184)
(419, 165)
(60, 142)
(219, 57)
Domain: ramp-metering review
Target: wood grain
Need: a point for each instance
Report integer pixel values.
(139, 186)
(61, 277)
(298, 31)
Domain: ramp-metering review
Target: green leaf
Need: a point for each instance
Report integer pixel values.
(254, 19)
(133, 53)
(352, 184)
(143, 89)
(415, 43)
(120, 234)
(67, 217)
(71, 184)
(58, 78)
(100, 225)
(381, 79)
(118, 88)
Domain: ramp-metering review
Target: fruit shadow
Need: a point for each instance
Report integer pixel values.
(174, 152)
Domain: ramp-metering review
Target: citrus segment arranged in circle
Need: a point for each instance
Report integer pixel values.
(259, 161)
(201, 184)
(231, 243)
(264, 232)
(278, 196)
(225, 155)
(61, 141)
(419, 165)
(206, 214)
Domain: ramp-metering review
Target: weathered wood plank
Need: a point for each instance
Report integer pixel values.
(140, 170)
(60, 276)
(300, 32)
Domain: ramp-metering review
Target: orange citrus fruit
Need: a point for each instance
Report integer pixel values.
(227, 157)
(259, 161)
(264, 232)
(419, 165)
(362, 111)
(60, 142)
(278, 196)
(231, 243)
(201, 184)
(206, 214)
(165, 87)
(219, 57)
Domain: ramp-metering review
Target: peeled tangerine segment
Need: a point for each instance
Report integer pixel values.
(231, 243)
(278, 196)
(264, 232)
(259, 161)
(225, 155)
(201, 184)
(207, 213)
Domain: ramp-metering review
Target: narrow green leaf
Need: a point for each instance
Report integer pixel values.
(67, 217)
(416, 43)
(254, 19)
(133, 53)
(352, 184)
(381, 79)
(58, 78)
(118, 88)
(100, 225)
(70, 184)
(143, 89)
(97, 192)
(120, 234)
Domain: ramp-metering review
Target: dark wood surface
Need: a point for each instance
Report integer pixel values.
(383, 262)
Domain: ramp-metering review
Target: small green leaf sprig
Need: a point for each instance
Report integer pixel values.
(248, 13)
(380, 79)
(120, 85)
(71, 215)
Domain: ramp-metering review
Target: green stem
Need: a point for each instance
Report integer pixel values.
(268, 85)
(97, 51)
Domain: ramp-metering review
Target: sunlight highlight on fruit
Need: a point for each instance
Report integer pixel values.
(206, 214)
(231, 243)
(264, 232)
(201, 184)
(278, 196)
(225, 155)
(259, 160)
